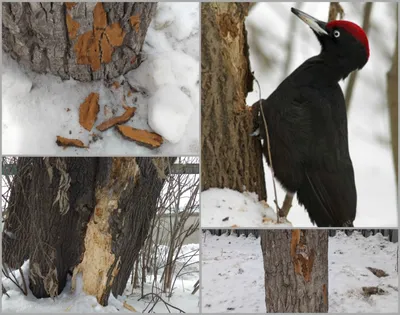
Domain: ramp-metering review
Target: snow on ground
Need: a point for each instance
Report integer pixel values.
(233, 274)
(369, 133)
(230, 208)
(37, 108)
(79, 302)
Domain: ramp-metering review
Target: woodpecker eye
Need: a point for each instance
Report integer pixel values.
(336, 33)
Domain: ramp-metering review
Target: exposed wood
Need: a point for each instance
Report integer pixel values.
(67, 142)
(81, 40)
(296, 262)
(129, 113)
(88, 111)
(146, 138)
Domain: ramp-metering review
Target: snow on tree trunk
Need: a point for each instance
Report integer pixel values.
(296, 270)
(82, 40)
(87, 214)
(229, 156)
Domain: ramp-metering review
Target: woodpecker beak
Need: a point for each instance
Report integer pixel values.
(317, 26)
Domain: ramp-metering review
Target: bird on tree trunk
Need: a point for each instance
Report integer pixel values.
(307, 124)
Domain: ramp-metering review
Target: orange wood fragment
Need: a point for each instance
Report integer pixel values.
(99, 17)
(129, 113)
(106, 50)
(135, 22)
(88, 111)
(67, 142)
(146, 138)
(73, 26)
(82, 46)
(116, 84)
(115, 34)
(70, 5)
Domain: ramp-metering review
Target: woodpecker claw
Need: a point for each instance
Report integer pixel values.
(255, 133)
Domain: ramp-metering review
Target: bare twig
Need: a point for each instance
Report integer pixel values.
(269, 150)
(335, 9)
(159, 298)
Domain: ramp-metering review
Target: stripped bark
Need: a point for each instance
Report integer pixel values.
(82, 40)
(296, 270)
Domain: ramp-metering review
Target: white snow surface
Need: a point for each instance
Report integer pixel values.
(368, 118)
(80, 302)
(233, 274)
(37, 107)
(230, 208)
(170, 110)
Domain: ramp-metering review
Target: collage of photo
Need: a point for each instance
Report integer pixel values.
(199, 157)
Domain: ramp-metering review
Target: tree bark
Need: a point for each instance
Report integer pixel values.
(230, 157)
(89, 215)
(392, 96)
(296, 270)
(81, 40)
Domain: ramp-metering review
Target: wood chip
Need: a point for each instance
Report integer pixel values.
(72, 26)
(67, 142)
(143, 137)
(70, 5)
(88, 111)
(135, 22)
(129, 113)
(377, 272)
(368, 291)
(129, 307)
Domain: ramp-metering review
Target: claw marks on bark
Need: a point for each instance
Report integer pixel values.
(325, 294)
(303, 257)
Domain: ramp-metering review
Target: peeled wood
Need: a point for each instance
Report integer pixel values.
(149, 139)
(129, 113)
(67, 142)
(88, 111)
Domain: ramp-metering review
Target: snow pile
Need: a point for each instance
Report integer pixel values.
(37, 108)
(230, 208)
(233, 274)
(369, 133)
(349, 257)
(80, 302)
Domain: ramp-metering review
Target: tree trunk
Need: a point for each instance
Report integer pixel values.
(392, 96)
(81, 40)
(230, 157)
(296, 270)
(87, 214)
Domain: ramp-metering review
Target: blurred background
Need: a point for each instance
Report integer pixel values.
(279, 42)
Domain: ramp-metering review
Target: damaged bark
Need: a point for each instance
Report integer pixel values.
(296, 270)
(80, 40)
(89, 215)
(229, 156)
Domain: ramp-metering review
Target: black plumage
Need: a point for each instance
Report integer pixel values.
(307, 123)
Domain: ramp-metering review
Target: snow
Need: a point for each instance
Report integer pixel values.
(230, 208)
(368, 120)
(233, 274)
(170, 121)
(79, 302)
(37, 107)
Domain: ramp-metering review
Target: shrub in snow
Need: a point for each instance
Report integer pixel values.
(169, 112)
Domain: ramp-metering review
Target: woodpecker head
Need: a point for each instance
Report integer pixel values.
(343, 42)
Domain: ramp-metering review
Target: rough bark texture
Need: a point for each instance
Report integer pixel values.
(296, 270)
(229, 156)
(91, 215)
(83, 40)
(392, 95)
(48, 218)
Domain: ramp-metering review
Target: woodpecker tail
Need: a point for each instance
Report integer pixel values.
(330, 198)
